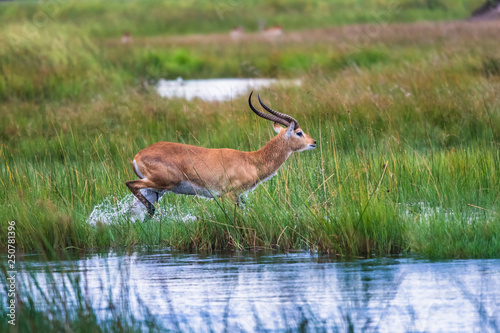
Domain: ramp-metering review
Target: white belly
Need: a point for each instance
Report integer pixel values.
(189, 188)
(263, 180)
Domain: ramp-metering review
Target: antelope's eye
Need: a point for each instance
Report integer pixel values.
(300, 133)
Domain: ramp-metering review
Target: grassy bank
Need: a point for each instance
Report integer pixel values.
(407, 120)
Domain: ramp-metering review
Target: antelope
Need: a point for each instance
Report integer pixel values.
(237, 33)
(273, 33)
(126, 38)
(221, 172)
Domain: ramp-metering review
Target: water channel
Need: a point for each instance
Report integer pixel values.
(255, 291)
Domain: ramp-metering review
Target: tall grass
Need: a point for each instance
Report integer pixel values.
(53, 63)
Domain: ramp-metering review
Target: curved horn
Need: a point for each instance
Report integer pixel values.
(265, 115)
(279, 114)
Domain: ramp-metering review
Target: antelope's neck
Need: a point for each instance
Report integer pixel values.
(270, 157)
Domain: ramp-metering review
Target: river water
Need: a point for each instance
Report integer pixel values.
(277, 292)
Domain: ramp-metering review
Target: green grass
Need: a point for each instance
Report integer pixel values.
(407, 121)
(55, 62)
(153, 17)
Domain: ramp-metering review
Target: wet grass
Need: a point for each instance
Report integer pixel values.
(407, 124)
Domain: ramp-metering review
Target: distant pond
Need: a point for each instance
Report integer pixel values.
(216, 89)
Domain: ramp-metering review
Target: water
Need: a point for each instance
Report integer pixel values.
(275, 292)
(114, 209)
(128, 208)
(215, 89)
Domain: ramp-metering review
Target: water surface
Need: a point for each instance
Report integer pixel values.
(216, 89)
(275, 292)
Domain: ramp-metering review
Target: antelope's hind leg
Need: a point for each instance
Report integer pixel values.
(135, 187)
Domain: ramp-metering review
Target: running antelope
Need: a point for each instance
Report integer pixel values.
(273, 33)
(191, 170)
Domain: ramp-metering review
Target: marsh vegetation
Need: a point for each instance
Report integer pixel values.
(406, 115)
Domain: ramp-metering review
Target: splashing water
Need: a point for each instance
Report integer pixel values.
(112, 210)
(424, 212)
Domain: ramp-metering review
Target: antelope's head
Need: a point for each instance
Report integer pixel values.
(293, 135)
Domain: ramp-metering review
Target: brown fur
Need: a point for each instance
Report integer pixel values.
(224, 171)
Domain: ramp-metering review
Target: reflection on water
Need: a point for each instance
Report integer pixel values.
(215, 89)
(275, 292)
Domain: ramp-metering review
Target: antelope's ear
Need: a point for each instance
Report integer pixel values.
(277, 127)
(290, 129)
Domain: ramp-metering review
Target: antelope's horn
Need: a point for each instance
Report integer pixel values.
(265, 115)
(279, 114)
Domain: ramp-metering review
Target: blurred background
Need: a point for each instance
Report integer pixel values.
(58, 49)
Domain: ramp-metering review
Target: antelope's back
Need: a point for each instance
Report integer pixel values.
(191, 162)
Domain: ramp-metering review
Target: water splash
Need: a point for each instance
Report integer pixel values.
(128, 208)
(111, 210)
(425, 212)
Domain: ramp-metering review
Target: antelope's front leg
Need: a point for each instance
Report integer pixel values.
(240, 202)
(236, 198)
